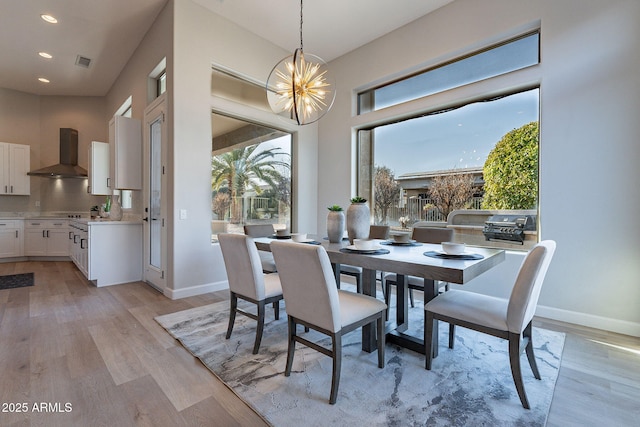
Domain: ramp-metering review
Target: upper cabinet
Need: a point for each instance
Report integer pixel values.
(125, 145)
(14, 164)
(99, 168)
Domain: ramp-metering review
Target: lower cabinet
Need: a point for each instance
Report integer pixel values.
(79, 246)
(107, 252)
(10, 238)
(46, 237)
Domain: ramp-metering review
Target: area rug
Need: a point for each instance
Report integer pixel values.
(12, 281)
(470, 385)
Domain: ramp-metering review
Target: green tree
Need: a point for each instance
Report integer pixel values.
(386, 192)
(511, 171)
(246, 168)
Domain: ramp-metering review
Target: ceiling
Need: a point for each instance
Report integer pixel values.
(108, 33)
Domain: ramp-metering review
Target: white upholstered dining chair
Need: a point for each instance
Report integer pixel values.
(248, 282)
(507, 319)
(314, 301)
(263, 230)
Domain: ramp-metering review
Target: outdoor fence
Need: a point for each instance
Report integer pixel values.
(413, 210)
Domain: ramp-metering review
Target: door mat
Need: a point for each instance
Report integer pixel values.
(12, 281)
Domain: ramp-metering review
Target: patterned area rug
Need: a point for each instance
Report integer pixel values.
(12, 281)
(468, 386)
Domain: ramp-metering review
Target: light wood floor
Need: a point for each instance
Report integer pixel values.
(99, 350)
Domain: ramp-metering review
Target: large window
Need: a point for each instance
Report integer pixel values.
(250, 175)
(480, 156)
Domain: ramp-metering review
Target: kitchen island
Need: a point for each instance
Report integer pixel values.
(107, 252)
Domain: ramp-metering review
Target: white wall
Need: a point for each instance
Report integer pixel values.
(36, 121)
(201, 39)
(590, 98)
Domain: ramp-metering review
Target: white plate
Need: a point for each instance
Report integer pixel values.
(303, 241)
(395, 243)
(465, 253)
(353, 248)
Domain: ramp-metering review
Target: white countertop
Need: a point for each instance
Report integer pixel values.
(84, 219)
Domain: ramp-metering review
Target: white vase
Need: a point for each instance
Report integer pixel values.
(358, 221)
(335, 226)
(115, 214)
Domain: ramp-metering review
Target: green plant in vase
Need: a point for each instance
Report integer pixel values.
(358, 219)
(335, 224)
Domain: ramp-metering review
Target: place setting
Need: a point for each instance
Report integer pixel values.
(400, 239)
(365, 247)
(302, 238)
(282, 234)
(453, 250)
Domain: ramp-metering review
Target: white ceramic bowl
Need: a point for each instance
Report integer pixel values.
(401, 237)
(282, 232)
(452, 248)
(298, 237)
(365, 244)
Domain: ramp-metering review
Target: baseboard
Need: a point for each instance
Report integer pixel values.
(196, 290)
(584, 319)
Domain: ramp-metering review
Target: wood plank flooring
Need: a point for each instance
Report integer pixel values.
(95, 357)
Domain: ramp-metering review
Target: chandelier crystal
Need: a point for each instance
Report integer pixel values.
(299, 86)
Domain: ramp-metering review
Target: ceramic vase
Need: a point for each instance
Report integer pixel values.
(335, 226)
(358, 221)
(115, 214)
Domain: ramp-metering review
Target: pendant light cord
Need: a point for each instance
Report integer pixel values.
(301, 26)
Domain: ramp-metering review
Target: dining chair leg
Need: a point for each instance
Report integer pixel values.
(531, 357)
(428, 339)
(411, 300)
(359, 283)
(232, 313)
(516, 372)
(260, 328)
(387, 296)
(336, 340)
(452, 335)
(291, 346)
(276, 310)
(381, 342)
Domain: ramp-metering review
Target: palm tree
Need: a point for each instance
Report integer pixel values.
(245, 168)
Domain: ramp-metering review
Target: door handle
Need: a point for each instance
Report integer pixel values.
(145, 219)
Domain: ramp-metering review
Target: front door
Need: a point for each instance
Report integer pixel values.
(154, 227)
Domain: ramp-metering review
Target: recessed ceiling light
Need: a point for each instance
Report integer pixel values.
(50, 19)
(43, 80)
(45, 55)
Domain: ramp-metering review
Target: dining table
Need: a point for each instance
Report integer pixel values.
(423, 260)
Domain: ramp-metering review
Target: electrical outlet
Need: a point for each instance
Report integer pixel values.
(183, 214)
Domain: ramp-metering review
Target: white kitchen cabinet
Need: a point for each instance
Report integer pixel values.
(99, 168)
(107, 252)
(125, 147)
(15, 162)
(10, 238)
(46, 237)
(79, 246)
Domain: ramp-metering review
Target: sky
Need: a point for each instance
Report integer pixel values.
(459, 138)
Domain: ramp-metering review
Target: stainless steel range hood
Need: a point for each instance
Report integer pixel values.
(68, 166)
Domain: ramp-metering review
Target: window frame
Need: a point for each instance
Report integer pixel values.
(365, 98)
(505, 84)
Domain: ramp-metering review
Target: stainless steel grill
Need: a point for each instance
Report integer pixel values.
(509, 228)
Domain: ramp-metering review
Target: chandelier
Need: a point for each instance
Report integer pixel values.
(299, 87)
